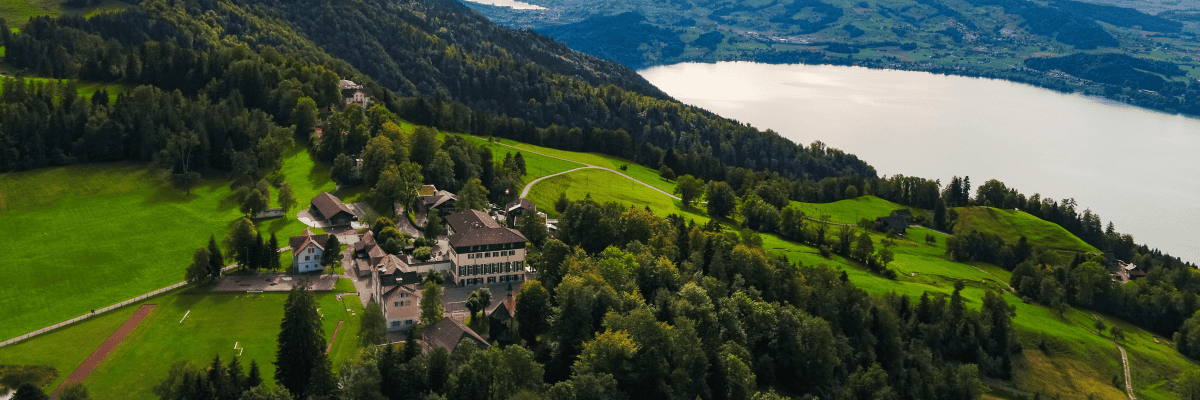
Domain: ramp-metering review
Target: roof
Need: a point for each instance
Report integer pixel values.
(437, 199)
(301, 242)
(391, 264)
(521, 203)
(474, 228)
(329, 205)
(903, 212)
(893, 222)
(504, 309)
(366, 242)
(447, 333)
(427, 190)
(392, 295)
(351, 91)
(347, 84)
(376, 254)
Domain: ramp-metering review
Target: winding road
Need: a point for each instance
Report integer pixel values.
(529, 186)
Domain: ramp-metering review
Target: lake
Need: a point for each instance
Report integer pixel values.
(516, 5)
(1137, 168)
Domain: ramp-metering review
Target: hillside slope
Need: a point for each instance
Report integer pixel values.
(1011, 225)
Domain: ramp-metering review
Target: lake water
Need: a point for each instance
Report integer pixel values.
(1137, 168)
(516, 5)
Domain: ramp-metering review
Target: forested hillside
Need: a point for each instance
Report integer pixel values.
(1004, 39)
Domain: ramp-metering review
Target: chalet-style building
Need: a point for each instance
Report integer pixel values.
(307, 250)
(518, 208)
(896, 222)
(332, 209)
(446, 334)
(482, 251)
(402, 307)
(500, 317)
(353, 93)
(442, 200)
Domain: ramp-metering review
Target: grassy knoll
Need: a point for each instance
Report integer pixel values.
(850, 211)
(78, 238)
(1012, 224)
(605, 186)
(635, 170)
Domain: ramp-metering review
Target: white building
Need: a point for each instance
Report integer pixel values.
(307, 250)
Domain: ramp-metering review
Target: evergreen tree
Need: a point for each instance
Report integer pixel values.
(321, 383)
(272, 254)
(374, 325)
(216, 261)
(301, 341)
(520, 162)
(218, 377)
(237, 378)
(198, 271)
(256, 252)
(27, 391)
(254, 377)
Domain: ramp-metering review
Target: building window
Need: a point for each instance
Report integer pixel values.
(396, 304)
(305, 258)
(395, 323)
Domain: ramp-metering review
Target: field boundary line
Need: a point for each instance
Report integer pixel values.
(106, 348)
(99, 311)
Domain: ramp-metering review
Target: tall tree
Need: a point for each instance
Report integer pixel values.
(473, 196)
(216, 260)
(301, 341)
(241, 241)
(304, 117)
(198, 271)
(689, 189)
(519, 160)
(431, 304)
(272, 253)
(721, 199)
(27, 391)
(533, 305)
(332, 257)
(254, 377)
(177, 156)
(374, 325)
(533, 226)
(286, 197)
(478, 300)
(397, 184)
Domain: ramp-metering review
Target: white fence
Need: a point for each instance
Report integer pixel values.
(97, 312)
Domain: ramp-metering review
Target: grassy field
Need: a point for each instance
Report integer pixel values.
(1012, 224)
(605, 186)
(82, 237)
(84, 89)
(850, 211)
(633, 169)
(17, 12)
(215, 323)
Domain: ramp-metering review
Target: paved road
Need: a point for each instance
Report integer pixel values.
(586, 166)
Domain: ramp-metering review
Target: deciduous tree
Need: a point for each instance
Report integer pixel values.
(374, 325)
(689, 189)
(431, 304)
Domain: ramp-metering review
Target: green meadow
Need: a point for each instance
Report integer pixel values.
(1012, 224)
(81, 237)
(850, 211)
(84, 89)
(16, 13)
(215, 322)
(605, 186)
(536, 165)
(634, 170)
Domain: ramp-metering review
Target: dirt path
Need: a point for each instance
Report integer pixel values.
(334, 337)
(107, 347)
(1125, 363)
(585, 166)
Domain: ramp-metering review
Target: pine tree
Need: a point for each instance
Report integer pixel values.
(255, 258)
(219, 378)
(254, 378)
(322, 383)
(301, 341)
(216, 260)
(273, 253)
(237, 379)
(520, 161)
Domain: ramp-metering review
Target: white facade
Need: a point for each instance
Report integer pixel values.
(499, 263)
(308, 259)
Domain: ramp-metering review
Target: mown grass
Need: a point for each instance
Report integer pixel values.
(850, 211)
(78, 238)
(66, 348)
(1012, 224)
(17, 12)
(85, 89)
(347, 347)
(215, 323)
(605, 186)
(635, 170)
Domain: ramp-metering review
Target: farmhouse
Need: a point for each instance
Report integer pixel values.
(897, 222)
(482, 251)
(500, 316)
(353, 93)
(442, 200)
(307, 250)
(332, 209)
(517, 208)
(446, 334)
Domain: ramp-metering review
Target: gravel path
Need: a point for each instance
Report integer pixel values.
(107, 347)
